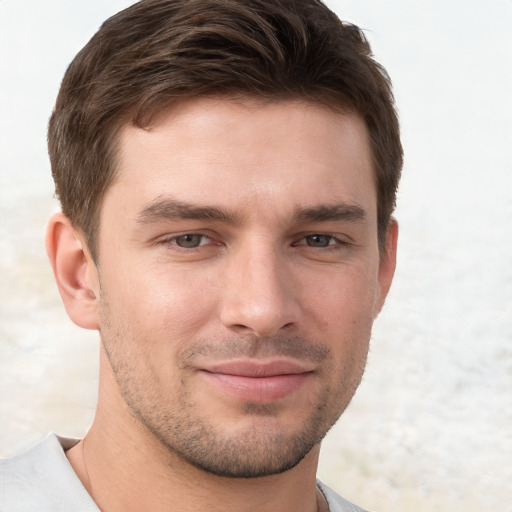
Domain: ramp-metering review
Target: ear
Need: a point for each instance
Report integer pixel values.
(74, 270)
(387, 265)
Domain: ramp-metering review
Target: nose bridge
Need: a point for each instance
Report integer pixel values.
(259, 293)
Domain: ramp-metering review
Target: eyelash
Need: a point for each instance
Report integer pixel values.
(172, 240)
(338, 244)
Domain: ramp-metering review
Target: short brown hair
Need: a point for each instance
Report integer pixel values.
(156, 52)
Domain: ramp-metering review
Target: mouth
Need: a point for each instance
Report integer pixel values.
(258, 381)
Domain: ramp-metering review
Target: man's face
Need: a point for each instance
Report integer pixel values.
(240, 276)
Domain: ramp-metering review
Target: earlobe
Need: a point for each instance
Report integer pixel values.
(387, 265)
(74, 270)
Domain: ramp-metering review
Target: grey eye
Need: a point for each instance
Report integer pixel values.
(189, 241)
(318, 240)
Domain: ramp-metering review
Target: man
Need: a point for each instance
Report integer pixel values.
(227, 172)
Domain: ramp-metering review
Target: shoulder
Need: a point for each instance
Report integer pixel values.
(336, 502)
(42, 479)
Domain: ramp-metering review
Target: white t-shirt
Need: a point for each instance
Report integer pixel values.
(41, 479)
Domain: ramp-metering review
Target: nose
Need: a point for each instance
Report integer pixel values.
(259, 294)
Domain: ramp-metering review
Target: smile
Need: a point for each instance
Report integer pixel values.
(258, 382)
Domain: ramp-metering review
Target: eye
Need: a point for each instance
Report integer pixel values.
(190, 241)
(323, 242)
(318, 240)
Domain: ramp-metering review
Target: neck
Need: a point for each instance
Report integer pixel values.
(124, 468)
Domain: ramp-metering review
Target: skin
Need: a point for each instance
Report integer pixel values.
(236, 286)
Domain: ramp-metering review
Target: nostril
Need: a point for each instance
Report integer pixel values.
(262, 330)
(240, 327)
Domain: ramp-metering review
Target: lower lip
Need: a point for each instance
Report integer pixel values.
(258, 389)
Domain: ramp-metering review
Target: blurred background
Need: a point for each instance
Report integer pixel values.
(431, 426)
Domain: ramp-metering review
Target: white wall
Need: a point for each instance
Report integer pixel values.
(431, 426)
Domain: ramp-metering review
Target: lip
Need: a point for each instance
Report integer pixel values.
(257, 381)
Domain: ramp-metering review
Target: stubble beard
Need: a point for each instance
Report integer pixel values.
(256, 450)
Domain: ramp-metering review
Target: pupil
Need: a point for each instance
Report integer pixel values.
(188, 241)
(318, 240)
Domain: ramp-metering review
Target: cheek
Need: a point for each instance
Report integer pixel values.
(163, 304)
(346, 302)
(344, 319)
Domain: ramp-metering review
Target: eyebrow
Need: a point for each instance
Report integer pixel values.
(170, 209)
(337, 212)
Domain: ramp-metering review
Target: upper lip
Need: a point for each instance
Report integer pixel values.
(254, 368)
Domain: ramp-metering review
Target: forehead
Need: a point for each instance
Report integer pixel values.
(246, 153)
